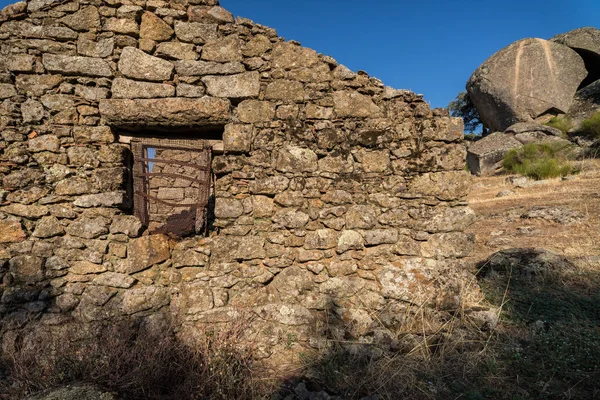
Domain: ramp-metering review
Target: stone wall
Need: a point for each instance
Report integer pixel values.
(336, 198)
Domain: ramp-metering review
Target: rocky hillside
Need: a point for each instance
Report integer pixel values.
(531, 84)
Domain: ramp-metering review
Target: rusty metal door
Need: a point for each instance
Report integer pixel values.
(160, 166)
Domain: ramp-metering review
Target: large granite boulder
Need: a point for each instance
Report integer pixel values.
(525, 80)
(586, 42)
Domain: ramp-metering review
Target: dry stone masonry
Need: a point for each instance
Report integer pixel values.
(333, 198)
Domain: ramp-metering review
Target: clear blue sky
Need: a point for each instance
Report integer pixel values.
(428, 46)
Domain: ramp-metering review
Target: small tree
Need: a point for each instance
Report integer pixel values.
(464, 108)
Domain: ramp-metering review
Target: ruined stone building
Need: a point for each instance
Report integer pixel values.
(163, 157)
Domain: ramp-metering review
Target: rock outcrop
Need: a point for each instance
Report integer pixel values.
(526, 84)
(534, 264)
(525, 80)
(586, 42)
(535, 133)
(485, 156)
(587, 102)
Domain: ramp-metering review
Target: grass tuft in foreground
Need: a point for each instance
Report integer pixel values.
(539, 161)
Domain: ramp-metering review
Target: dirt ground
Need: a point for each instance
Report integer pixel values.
(566, 214)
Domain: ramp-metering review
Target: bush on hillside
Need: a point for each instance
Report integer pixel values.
(538, 161)
(564, 124)
(591, 125)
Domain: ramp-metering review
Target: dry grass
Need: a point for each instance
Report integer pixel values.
(499, 224)
(136, 363)
(549, 337)
(434, 354)
(548, 342)
(429, 356)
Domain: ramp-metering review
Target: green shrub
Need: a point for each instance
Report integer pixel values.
(538, 161)
(562, 123)
(591, 125)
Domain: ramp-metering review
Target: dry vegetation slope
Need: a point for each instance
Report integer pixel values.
(574, 204)
(546, 344)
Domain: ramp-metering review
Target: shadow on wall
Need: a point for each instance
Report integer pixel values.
(142, 359)
(546, 345)
(431, 349)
